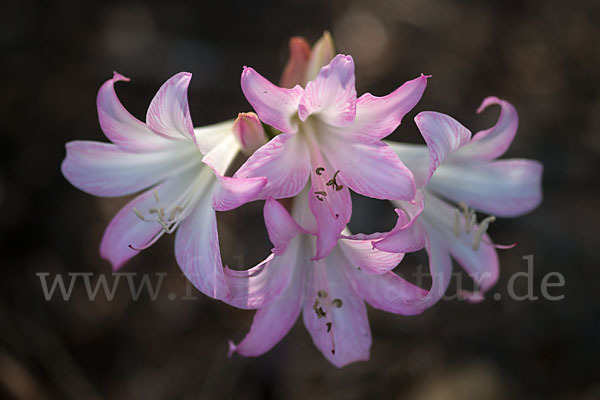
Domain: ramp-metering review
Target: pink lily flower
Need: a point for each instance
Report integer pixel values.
(330, 292)
(457, 169)
(180, 170)
(334, 139)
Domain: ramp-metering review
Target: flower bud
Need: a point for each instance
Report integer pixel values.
(249, 131)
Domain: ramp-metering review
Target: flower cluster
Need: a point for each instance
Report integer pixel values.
(325, 142)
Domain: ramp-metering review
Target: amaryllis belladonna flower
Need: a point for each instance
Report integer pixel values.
(457, 175)
(330, 292)
(332, 138)
(180, 170)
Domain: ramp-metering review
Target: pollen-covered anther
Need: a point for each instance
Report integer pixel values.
(333, 182)
(320, 195)
(483, 226)
(337, 303)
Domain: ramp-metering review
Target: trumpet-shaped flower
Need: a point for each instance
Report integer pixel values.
(333, 138)
(180, 170)
(330, 293)
(455, 168)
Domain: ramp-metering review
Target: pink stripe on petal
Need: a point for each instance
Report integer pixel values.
(169, 113)
(274, 105)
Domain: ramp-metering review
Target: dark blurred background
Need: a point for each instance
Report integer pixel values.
(543, 56)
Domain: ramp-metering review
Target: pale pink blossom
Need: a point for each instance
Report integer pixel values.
(180, 171)
(456, 175)
(332, 138)
(330, 292)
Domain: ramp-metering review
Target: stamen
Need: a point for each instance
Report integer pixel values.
(319, 194)
(322, 293)
(319, 171)
(156, 196)
(320, 312)
(483, 226)
(337, 303)
(456, 222)
(328, 327)
(139, 214)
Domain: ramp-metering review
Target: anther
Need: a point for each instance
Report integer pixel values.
(156, 196)
(322, 293)
(483, 226)
(337, 303)
(319, 171)
(456, 222)
(139, 214)
(328, 327)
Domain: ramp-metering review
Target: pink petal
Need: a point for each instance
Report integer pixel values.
(284, 161)
(274, 105)
(348, 338)
(272, 322)
(332, 94)
(260, 285)
(387, 292)
(119, 126)
(363, 256)
(493, 142)
(295, 69)
(380, 116)
(169, 113)
(127, 230)
(408, 236)
(280, 225)
(443, 135)
(104, 169)
(231, 193)
(197, 251)
(505, 188)
(332, 211)
(249, 132)
(369, 167)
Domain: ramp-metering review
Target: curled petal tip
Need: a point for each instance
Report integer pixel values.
(118, 77)
(425, 76)
(487, 102)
